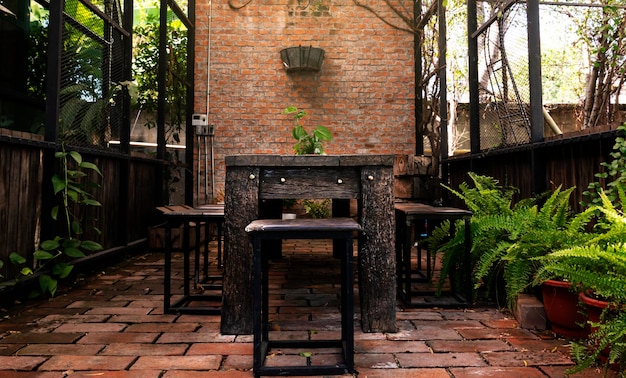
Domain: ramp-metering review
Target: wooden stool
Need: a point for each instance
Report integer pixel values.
(408, 214)
(211, 284)
(330, 228)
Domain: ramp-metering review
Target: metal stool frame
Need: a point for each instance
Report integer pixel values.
(332, 228)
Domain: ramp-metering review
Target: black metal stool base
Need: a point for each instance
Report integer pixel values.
(332, 228)
(202, 218)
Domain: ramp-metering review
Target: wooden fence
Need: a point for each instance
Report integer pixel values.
(533, 169)
(129, 194)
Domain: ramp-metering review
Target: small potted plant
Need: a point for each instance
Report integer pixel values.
(598, 268)
(307, 144)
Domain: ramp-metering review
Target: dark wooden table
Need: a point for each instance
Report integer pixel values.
(255, 186)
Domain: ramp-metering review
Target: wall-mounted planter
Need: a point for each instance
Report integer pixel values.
(302, 58)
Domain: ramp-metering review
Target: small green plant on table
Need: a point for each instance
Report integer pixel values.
(307, 143)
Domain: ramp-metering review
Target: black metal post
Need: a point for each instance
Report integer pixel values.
(53, 73)
(443, 81)
(161, 78)
(189, 131)
(472, 51)
(124, 187)
(536, 98)
(53, 90)
(417, 57)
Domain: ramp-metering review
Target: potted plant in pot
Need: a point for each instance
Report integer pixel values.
(598, 269)
(307, 144)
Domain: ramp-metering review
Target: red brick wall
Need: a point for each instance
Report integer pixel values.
(364, 92)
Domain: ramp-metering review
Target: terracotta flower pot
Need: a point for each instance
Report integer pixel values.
(562, 310)
(594, 308)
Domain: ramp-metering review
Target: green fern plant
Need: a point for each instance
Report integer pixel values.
(486, 198)
(599, 266)
(507, 237)
(609, 334)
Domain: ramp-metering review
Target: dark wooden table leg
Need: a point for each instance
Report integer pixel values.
(377, 262)
(240, 208)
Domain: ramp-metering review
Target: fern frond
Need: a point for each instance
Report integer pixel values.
(609, 334)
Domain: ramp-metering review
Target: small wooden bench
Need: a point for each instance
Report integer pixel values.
(330, 228)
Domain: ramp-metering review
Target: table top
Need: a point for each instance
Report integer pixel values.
(263, 160)
(421, 209)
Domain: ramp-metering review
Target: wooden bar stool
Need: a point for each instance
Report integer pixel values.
(408, 215)
(275, 229)
(211, 295)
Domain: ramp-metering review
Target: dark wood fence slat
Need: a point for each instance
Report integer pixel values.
(21, 195)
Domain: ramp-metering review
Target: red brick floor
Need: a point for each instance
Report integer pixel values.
(111, 324)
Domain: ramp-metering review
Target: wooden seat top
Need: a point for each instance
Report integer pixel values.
(304, 225)
(414, 208)
(184, 210)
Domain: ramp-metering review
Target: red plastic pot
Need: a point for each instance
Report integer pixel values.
(561, 305)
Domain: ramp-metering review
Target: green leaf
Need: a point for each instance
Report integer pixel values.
(26, 271)
(50, 245)
(92, 166)
(73, 252)
(91, 202)
(58, 184)
(76, 156)
(76, 229)
(91, 245)
(16, 259)
(47, 284)
(71, 243)
(43, 255)
(73, 195)
(289, 110)
(55, 212)
(322, 133)
(299, 132)
(62, 270)
(306, 354)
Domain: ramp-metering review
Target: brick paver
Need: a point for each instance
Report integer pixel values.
(113, 326)
(74, 362)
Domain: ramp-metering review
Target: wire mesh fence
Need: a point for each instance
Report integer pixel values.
(582, 67)
(503, 80)
(92, 64)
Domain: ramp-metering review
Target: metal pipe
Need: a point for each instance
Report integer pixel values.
(206, 164)
(212, 169)
(198, 181)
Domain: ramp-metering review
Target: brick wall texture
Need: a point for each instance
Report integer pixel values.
(364, 92)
